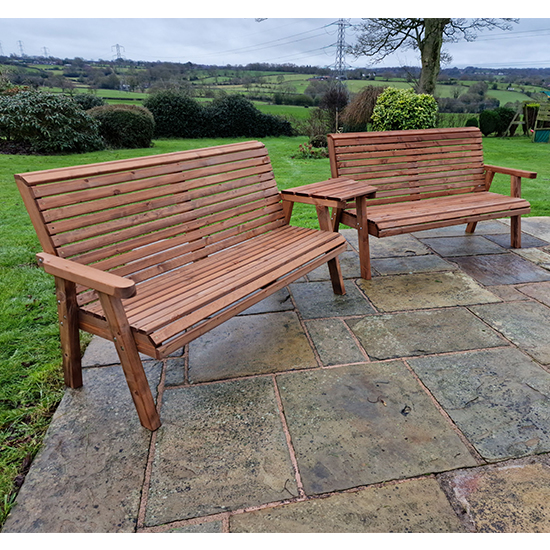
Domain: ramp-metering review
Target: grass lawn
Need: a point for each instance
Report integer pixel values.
(30, 357)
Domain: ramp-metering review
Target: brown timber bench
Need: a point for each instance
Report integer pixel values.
(423, 179)
(153, 252)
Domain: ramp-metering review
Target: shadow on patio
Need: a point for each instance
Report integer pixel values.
(418, 402)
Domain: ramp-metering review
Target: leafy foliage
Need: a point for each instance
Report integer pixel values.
(88, 101)
(178, 115)
(124, 126)
(50, 123)
(397, 109)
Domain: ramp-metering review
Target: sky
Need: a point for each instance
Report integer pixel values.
(235, 36)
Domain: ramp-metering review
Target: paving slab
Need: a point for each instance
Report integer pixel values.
(526, 324)
(415, 333)
(508, 498)
(508, 293)
(278, 301)
(414, 506)
(88, 475)
(465, 245)
(539, 257)
(362, 424)
(501, 269)
(527, 241)
(100, 353)
(387, 247)
(349, 264)
(424, 290)
(411, 264)
(538, 291)
(317, 300)
(490, 227)
(221, 447)
(538, 226)
(499, 399)
(274, 342)
(334, 342)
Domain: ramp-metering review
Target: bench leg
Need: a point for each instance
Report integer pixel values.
(131, 362)
(67, 311)
(363, 234)
(515, 231)
(333, 265)
(471, 227)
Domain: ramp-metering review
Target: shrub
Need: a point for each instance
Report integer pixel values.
(397, 109)
(124, 126)
(505, 116)
(308, 151)
(88, 101)
(488, 122)
(49, 123)
(176, 114)
(358, 112)
(236, 116)
(472, 121)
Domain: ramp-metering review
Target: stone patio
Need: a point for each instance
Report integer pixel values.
(418, 402)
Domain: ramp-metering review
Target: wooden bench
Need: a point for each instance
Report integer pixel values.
(424, 179)
(153, 252)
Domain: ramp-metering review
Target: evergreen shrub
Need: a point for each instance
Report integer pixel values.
(398, 109)
(49, 123)
(124, 126)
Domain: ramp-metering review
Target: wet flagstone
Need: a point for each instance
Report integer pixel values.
(414, 333)
(538, 291)
(349, 264)
(411, 264)
(279, 301)
(415, 506)
(317, 300)
(526, 324)
(88, 475)
(508, 498)
(466, 245)
(274, 342)
(424, 290)
(362, 424)
(499, 399)
(537, 226)
(221, 447)
(527, 241)
(502, 269)
(397, 245)
(334, 342)
(534, 255)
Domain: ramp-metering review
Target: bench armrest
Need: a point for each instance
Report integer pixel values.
(101, 281)
(511, 171)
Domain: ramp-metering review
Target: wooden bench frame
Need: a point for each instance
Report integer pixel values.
(153, 252)
(423, 179)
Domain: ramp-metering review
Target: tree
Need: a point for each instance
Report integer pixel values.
(380, 37)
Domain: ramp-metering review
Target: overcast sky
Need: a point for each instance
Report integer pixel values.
(235, 37)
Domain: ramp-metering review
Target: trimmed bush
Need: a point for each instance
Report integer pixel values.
(472, 121)
(88, 101)
(397, 109)
(49, 123)
(488, 122)
(236, 116)
(124, 126)
(176, 114)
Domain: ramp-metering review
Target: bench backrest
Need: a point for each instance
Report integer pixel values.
(145, 216)
(410, 165)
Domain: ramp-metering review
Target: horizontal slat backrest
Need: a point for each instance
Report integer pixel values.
(410, 164)
(145, 216)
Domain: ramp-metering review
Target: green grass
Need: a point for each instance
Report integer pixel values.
(31, 383)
